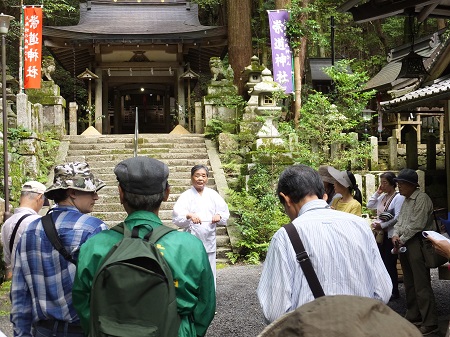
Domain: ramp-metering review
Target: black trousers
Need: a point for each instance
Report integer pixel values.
(390, 261)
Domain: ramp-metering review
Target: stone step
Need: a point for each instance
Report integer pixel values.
(174, 176)
(117, 207)
(141, 151)
(222, 240)
(92, 142)
(187, 163)
(221, 254)
(121, 156)
(179, 152)
(114, 198)
(108, 168)
(165, 214)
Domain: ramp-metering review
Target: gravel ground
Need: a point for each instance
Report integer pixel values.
(239, 314)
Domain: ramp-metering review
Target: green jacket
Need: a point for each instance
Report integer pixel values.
(186, 257)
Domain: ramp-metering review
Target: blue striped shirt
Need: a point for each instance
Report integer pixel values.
(344, 255)
(42, 279)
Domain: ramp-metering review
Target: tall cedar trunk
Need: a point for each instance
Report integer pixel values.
(239, 38)
(282, 4)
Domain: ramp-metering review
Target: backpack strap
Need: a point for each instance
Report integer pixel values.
(152, 236)
(53, 237)
(304, 261)
(13, 235)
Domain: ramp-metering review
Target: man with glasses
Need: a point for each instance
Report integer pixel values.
(41, 291)
(31, 201)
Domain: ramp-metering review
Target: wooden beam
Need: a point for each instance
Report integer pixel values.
(425, 12)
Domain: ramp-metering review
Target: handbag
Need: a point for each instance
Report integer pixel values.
(384, 216)
(431, 258)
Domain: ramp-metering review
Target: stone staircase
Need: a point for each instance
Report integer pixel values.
(179, 152)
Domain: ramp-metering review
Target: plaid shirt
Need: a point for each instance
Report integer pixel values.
(42, 279)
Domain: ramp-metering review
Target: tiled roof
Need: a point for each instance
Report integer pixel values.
(438, 89)
(135, 20)
(386, 78)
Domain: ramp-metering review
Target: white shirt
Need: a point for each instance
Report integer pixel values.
(375, 202)
(8, 228)
(344, 255)
(205, 205)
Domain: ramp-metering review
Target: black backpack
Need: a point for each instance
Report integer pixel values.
(133, 293)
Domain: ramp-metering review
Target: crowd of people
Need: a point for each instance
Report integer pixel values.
(53, 270)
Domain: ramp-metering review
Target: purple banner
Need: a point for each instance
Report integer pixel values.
(281, 52)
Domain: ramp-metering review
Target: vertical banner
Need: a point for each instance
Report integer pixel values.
(281, 52)
(32, 47)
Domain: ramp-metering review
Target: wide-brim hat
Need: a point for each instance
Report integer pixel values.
(341, 315)
(409, 176)
(74, 175)
(325, 175)
(340, 176)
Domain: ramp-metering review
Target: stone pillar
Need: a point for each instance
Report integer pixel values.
(354, 135)
(412, 160)
(73, 114)
(98, 100)
(431, 152)
(421, 175)
(36, 117)
(105, 119)
(41, 117)
(199, 127)
(374, 152)
(371, 186)
(22, 110)
(392, 154)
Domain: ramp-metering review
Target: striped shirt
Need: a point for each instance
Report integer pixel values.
(42, 279)
(344, 255)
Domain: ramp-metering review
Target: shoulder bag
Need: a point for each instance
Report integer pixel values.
(53, 237)
(13, 235)
(304, 261)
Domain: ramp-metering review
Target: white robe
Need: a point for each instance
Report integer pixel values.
(205, 206)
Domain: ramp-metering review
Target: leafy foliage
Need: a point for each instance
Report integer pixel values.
(327, 120)
(46, 146)
(259, 214)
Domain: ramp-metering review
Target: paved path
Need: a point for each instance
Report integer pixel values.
(239, 314)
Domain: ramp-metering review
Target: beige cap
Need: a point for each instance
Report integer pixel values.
(341, 315)
(33, 186)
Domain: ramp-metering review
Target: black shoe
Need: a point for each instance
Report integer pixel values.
(428, 330)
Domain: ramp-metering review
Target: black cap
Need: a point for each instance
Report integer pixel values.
(409, 176)
(142, 175)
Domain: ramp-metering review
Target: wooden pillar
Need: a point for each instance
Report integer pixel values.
(419, 130)
(447, 147)
(98, 100)
(412, 161)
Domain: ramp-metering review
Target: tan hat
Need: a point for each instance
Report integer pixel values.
(340, 176)
(341, 315)
(325, 175)
(34, 186)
